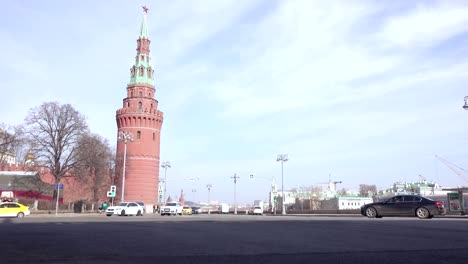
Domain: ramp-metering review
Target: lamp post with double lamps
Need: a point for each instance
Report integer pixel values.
(165, 165)
(283, 158)
(208, 186)
(124, 137)
(465, 106)
(235, 177)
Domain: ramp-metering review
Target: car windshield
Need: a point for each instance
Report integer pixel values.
(123, 204)
(171, 204)
(141, 203)
(258, 207)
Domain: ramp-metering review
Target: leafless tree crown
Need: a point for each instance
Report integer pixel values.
(55, 130)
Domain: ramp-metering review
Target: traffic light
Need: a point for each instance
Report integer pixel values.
(275, 199)
(113, 188)
(252, 176)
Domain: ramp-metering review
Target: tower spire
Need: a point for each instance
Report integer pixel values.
(144, 27)
(142, 71)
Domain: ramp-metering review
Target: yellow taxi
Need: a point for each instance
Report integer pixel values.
(187, 210)
(11, 209)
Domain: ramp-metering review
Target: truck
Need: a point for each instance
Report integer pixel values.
(172, 208)
(223, 208)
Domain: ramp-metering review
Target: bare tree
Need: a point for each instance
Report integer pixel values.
(94, 165)
(367, 190)
(55, 130)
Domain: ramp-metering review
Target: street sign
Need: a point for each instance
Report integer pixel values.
(110, 194)
(58, 186)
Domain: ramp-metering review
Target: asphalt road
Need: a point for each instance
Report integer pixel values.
(232, 239)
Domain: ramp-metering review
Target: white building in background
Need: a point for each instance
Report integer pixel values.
(423, 188)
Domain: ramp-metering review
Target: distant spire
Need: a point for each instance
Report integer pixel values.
(144, 27)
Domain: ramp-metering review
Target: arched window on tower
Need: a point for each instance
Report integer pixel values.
(154, 136)
(128, 104)
(149, 73)
(142, 70)
(140, 94)
(131, 94)
(140, 105)
(151, 107)
(138, 134)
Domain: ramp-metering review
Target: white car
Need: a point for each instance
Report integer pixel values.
(172, 208)
(125, 208)
(257, 210)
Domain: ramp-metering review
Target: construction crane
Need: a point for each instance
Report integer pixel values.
(331, 184)
(453, 167)
(423, 179)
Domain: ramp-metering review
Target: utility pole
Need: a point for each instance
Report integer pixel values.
(235, 177)
(283, 158)
(209, 189)
(165, 165)
(124, 137)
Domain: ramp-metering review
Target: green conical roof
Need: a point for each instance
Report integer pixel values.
(142, 70)
(144, 28)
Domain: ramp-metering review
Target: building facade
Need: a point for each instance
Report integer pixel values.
(140, 117)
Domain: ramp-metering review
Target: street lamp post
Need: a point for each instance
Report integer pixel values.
(465, 106)
(283, 158)
(124, 137)
(165, 165)
(195, 181)
(235, 177)
(209, 189)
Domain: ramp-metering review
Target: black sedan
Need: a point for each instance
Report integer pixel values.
(404, 205)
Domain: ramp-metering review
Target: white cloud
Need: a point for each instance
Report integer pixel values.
(427, 25)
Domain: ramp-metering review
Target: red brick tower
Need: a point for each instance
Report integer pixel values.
(140, 117)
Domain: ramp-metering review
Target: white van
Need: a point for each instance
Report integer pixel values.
(224, 208)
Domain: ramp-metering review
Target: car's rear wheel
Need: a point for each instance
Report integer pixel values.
(108, 214)
(371, 212)
(422, 213)
(122, 213)
(20, 215)
(138, 213)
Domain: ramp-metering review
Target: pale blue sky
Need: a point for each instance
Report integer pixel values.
(368, 91)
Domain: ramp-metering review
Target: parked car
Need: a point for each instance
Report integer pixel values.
(142, 204)
(125, 208)
(11, 209)
(404, 205)
(187, 210)
(196, 210)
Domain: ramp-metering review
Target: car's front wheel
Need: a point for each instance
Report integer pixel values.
(422, 213)
(122, 213)
(371, 212)
(20, 215)
(138, 213)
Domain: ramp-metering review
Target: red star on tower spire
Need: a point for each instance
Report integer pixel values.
(145, 9)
